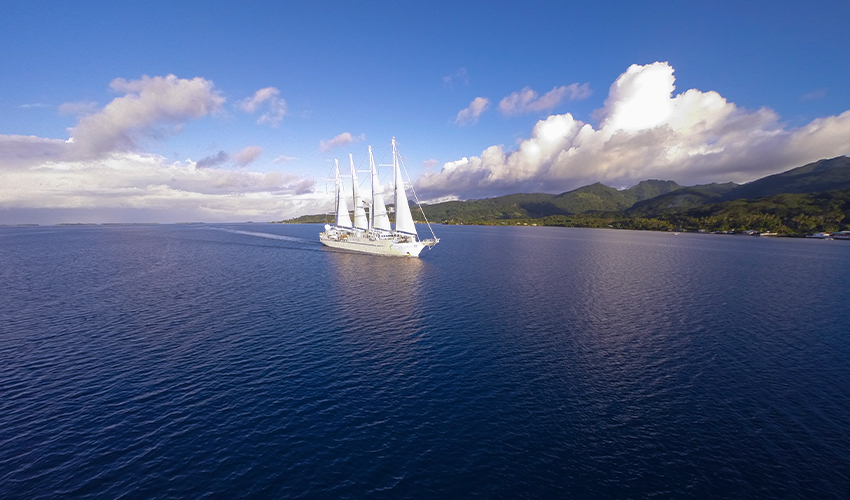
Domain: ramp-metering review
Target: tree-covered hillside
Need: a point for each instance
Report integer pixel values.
(598, 197)
(823, 175)
(811, 198)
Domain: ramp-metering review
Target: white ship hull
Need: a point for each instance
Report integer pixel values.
(372, 244)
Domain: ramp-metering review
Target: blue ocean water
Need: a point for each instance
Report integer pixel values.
(246, 361)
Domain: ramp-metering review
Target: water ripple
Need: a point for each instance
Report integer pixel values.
(244, 362)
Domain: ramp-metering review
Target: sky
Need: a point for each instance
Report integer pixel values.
(226, 111)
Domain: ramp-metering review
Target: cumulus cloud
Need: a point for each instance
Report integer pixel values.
(247, 155)
(461, 76)
(99, 176)
(269, 99)
(645, 131)
(147, 103)
(527, 100)
(342, 139)
(429, 165)
(471, 114)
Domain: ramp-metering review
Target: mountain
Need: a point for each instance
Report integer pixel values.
(600, 197)
(823, 175)
(646, 199)
(595, 197)
(688, 197)
(646, 190)
(667, 200)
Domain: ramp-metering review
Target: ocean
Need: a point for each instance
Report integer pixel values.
(247, 361)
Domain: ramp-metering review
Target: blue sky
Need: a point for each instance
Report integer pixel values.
(770, 82)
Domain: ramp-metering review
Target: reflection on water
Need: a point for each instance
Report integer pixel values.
(376, 285)
(377, 300)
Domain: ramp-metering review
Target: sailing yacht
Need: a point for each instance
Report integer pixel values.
(373, 234)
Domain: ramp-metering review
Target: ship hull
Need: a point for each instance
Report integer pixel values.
(373, 246)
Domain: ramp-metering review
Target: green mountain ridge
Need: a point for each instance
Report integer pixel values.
(813, 197)
(688, 197)
(822, 175)
(595, 197)
(648, 198)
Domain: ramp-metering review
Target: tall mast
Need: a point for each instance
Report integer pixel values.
(403, 217)
(372, 178)
(342, 217)
(360, 221)
(380, 220)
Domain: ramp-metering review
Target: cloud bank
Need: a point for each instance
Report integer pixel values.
(98, 175)
(645, 131)
(134, 187)
(148, 186)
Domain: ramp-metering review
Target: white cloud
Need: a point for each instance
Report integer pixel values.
(471, 114)
(342, 139)
(95, 176)
(247, 155)
(270, 98)
(284, 159)
(645, 132)
(527, 100)
(461, 76)
(148, 102)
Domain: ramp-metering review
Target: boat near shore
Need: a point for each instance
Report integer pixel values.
(820, 236)
(372, 233)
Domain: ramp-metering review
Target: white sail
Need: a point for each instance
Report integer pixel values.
(360, 220)
(403, 218)
(380, 219)
(342, 217)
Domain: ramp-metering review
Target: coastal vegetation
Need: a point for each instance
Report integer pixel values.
(808, 199)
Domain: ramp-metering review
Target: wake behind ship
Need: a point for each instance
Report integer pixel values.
(373, 234)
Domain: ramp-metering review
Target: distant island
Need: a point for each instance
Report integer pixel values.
(801, 201)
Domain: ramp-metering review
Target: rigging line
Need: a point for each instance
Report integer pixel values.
(401, 162)
(387, 150)
(383, 180)
(327, 180)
